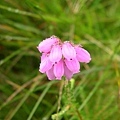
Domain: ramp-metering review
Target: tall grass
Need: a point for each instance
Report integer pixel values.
(27, 94)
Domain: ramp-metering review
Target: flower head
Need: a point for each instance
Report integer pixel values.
(61, 59)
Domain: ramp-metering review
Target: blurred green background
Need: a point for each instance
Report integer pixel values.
(27, 94)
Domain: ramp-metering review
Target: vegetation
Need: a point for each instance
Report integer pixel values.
(27, 94)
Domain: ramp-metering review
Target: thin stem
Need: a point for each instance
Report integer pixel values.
(60, 97)
(79, 115)
(69, 94)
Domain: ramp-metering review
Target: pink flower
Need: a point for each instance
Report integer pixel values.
(59, 69)
(82, 55)
(68, 51)
(67, 73)
(45, 45)
(45, 64)
(61, 59)
(73, 65)
(55, 53)
(50, 74)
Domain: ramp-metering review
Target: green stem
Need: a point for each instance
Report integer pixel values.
(69, 94)
(70, 104)
(60, 97)
(79, 115)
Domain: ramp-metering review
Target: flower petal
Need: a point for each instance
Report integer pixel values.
(44, 56)
(82, 55)
(50, 74)
(73, 65)
(59, 69)
(45, 64)
(55, 54)
(67, 73)
(68, 51)
(45, 45)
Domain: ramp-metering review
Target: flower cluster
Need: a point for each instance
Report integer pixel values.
(61, 59)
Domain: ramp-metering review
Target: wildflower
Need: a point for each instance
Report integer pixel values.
(45, 45)
(82, 55)
(67, 73)
(68, 50)
(45, 64)
(50, 74)
(73, 65)
(61, 59)
(55, 53)
(59, 69)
